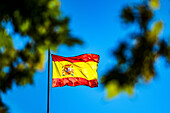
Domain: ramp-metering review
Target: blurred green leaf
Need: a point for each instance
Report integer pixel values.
(5, 40)
(158, 26)
(129, 90)
(155, 4)
(25, 26)
(155, 31)
(112, 89)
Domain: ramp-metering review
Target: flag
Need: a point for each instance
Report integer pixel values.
(74, 71)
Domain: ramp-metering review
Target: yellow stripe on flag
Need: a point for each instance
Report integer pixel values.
(87, 70)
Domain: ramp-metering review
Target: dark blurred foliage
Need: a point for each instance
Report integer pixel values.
(3, 107)
(41, 20)
(136, 58)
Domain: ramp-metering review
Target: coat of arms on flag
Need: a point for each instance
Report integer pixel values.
(67, 69)
(74, 71)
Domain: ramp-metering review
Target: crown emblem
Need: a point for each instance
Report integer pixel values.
(67, 70)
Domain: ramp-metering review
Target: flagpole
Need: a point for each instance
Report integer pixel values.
(48, 97)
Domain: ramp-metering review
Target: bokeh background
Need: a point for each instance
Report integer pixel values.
(99, 25)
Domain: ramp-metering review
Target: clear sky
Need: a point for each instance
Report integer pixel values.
(98, 24)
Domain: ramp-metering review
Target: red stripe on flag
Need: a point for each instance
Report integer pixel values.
(80, 58)
(74, 81)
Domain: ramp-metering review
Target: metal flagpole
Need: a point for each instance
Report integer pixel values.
(48, 96)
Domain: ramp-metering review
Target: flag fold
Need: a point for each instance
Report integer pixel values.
(74, 71)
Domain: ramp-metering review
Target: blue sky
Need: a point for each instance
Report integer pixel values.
(98, 24)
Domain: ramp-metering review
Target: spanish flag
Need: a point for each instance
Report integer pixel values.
(74, 71)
